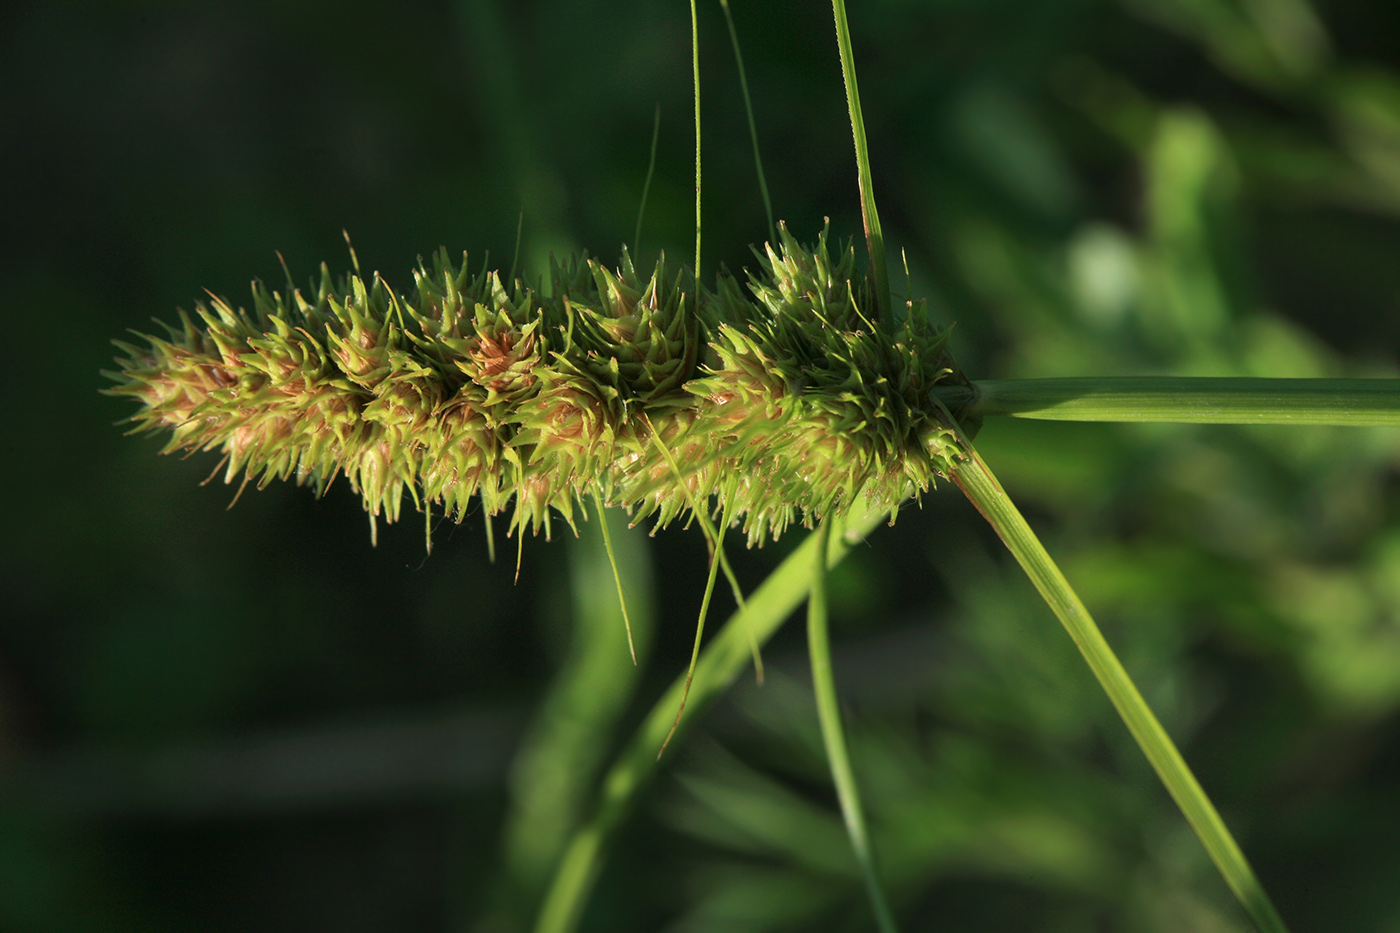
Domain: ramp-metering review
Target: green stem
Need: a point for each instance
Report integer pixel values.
(982, 488)
(834, 735)
(874, 235)
(1204, 400)
(722, 661)
(695, 71)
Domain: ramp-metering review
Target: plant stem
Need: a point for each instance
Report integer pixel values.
(695, 70)
(722, 661)
(834, 736)
(1202, 400)
(982, 488)
(874, 235)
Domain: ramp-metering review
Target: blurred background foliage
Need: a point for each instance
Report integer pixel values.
(251, 719)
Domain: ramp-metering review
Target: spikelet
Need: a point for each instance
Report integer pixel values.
(776, 406)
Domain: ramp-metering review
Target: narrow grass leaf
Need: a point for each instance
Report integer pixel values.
(1182, 399)
(834, 736)
(874, 235)
(695, 69)
(983, 490)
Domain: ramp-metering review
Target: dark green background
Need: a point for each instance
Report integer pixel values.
(250, 719)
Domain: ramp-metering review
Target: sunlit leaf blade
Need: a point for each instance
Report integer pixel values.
(982, 488)
(1182, 399)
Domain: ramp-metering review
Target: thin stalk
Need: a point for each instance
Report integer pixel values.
(617, 574)
(694, 651)
(646, 185)
(982, 488)
(695, 69)
(874, 235)
(515, 256)
(716, 543)
(722, 661)
(1201, 400)
(834, 735)
(753, 129)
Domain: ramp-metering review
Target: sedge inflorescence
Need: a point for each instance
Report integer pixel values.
(781, 402)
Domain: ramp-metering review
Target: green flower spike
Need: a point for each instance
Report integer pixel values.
(466, 388)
